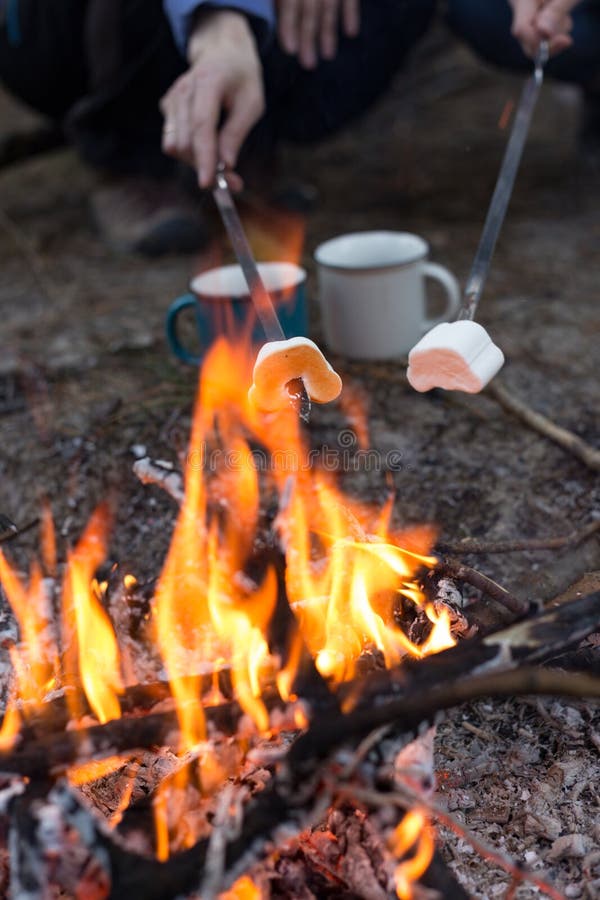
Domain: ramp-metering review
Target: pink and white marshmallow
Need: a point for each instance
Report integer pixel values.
(455, 356)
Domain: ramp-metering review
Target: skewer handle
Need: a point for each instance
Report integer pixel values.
(504, 185)
(258, 292)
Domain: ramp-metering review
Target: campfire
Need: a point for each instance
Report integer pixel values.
(246, 725)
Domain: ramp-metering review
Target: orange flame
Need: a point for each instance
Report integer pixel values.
(95, 769)
(161, 826)
(343, 580)
(35, 658)
(11, 725)
(345, 569)
(285, 676)
(413, 829)
(95, 650)
(243, 889)
(203, 612)
(242, 626)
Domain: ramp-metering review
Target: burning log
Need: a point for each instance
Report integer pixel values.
(416, 692)
(305, 780)
(411, 694)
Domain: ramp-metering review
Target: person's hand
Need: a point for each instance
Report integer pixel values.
(309, 28)
(538, 20)
(210, 109)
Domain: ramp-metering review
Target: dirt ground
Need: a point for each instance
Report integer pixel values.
(85, 375)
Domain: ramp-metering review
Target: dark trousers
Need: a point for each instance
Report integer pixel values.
(101, 66)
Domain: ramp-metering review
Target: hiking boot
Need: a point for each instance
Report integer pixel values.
(149, 216)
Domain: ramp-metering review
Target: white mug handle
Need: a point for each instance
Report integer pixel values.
(453, 296)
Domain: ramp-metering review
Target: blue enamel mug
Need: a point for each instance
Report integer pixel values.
(221, 304)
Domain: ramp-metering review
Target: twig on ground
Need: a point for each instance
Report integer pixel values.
(169, 480)
(7, 526)
(457, 569)
(474, 545)
(561, 436)
(12, 535)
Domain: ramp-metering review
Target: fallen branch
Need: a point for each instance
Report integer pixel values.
(474, 545)
(7, 526)
(535, 420)
(12, 531)
(409, 712)
(456, 569)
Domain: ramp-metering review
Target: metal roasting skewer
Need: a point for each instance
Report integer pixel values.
(258, 293)
(504, 186)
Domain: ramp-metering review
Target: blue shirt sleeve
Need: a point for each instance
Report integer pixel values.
(180, 13)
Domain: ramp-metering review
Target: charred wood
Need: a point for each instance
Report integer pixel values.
(456, 569)
(415, 690)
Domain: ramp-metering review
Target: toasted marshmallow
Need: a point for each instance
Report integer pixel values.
(279, 362)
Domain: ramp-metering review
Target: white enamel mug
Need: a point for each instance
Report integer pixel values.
(371, 287)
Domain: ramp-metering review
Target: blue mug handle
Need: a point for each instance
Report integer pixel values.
(187, 301)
